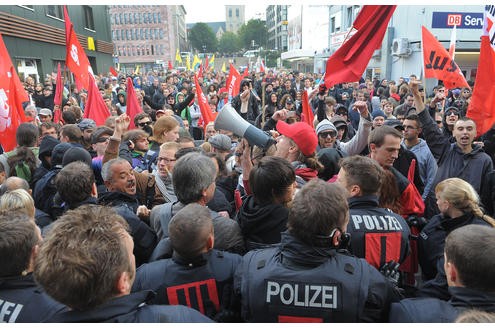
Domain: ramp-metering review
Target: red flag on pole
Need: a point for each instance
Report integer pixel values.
(246, 72)
(133, 106)
(75, 58)
(233, 83)
(438, 63)
(481, 109)
(308, 115)
(113, 71)
(12, 95)
(95, 108)
(206, 113)
(207, 63)
(348, 63)
(59, 93)
(170, 67)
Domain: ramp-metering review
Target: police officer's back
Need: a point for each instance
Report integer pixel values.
(377, 234)
(86, 262)
(197, 275)
(470, 268)
(21, 300)
(306, 278)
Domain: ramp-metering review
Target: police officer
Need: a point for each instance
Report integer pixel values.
(197, 275)
(86, 262)
(470, 268)
(307, 278)
(21, 300)
(377, 234)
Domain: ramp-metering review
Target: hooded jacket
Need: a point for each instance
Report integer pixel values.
(261, 224)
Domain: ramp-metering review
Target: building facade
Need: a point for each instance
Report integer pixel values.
(147, 36)
(276, 24)
(35, 37)
(234, 17)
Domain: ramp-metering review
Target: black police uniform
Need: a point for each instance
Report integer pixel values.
(295, 282)
(431, 246)
(439, 311)
(132, 308)
(378, 235)
(203, 283)
(21, 300)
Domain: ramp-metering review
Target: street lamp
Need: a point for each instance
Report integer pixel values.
(204, 50)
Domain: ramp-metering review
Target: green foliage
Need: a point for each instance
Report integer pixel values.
(229, 43)
(202, 35)
(256, 30)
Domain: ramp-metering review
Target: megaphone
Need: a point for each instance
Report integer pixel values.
(229, 119)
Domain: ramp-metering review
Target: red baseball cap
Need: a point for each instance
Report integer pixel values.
(302, 134)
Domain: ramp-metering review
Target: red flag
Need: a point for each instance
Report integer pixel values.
(246, 72)
(200, 72)
(12, 95)
(75, 57)
(113, 71)
(170, 67)
(348, 63)
(207, 63)
(233, 81)
(308, 115)
(206, 113)
(11, 111)
(95, 108)
(438, 63)
(481, 109)
(133, 106)
(59, 93)
(262, 66)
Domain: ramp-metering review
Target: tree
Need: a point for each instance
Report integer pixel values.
(255, 30)
(202, 35)
(229, 43)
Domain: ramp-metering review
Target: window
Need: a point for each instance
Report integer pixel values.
(154, 18)
(145, 18)
(230, 12)
(122, 35)
(88, 18)
(161, 33)
(120, 19)
(349, 19)
(55, 11)
(146, 35)
(125, 18)
(159, 19)
(30, 7)
(140, 18)
(237, 12)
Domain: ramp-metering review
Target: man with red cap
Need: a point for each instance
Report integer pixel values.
(297, 143)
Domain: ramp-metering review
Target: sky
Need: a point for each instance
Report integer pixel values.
(209, 11)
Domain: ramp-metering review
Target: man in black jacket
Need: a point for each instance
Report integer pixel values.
(469, 267)
(21, 299)
(121, 195)
(307, 278)
(197, 275)
(377, 234)
(94, 273)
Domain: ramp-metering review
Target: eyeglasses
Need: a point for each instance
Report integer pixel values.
(166, 160)
(438, 122)
(332, 134)
(143, 124)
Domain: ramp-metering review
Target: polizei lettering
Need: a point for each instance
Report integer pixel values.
(9, 311)
(376, 222)
(300, 294)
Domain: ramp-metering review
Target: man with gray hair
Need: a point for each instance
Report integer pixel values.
(194, 182)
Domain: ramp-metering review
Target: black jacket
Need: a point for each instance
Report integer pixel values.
(377, 234)
(261, 225)
(295, 282)
(431, 244)
(132, 309)
(21, 300)
(207, 279)
(435, 310)
(126, 205)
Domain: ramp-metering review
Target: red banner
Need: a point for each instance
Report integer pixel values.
(133, 106)
(95, 108)
(439, 64)
(308, 115)
(206, 113)
(233, 81)
(75, 58)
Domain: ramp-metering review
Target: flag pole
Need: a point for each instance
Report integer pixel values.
(423, 69)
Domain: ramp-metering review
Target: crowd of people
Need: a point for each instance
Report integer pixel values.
(379, 209)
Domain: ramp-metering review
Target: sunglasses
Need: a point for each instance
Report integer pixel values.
(451, 112)
(143, 124)
(332, 134)
(438, 122)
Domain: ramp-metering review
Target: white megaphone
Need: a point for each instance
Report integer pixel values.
(229, 119)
